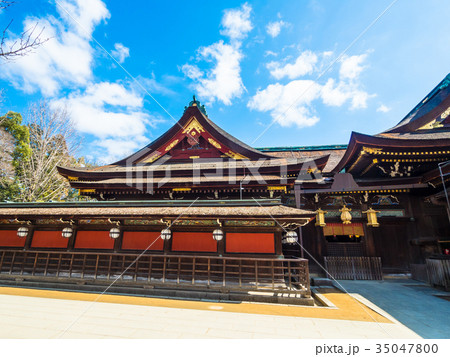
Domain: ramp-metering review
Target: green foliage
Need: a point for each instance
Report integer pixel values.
(12, 124)
(34, 151)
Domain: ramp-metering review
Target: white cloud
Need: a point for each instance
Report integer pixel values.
(288, 104)
(351, 67)
(236, 22)
(270, 53)
(84, 15)
(106, 109)
(66, 58)
(337, 94)
(120, 52)
(223, 81)
(292, 103)
(274, 28)
(113, 113)
(304, 64)
(383, 108)
(111, 150)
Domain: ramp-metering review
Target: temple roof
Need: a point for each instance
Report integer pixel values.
(432, 110)
(161, 209)
(171, 160)
(411, 148)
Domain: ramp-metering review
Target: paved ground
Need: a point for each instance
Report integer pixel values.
(413, 303)
(30, 313)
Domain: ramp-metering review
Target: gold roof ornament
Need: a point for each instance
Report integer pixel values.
(346, 217)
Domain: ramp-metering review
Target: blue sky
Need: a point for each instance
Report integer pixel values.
(272, 73)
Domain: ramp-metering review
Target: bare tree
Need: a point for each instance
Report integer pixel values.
(6, 154)
(28, 40)
(53, 141)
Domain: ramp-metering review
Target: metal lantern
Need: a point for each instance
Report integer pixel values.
(320, 218)
(372, 217)
(346, 217)
(218, 234)
(114, 233)
(166, 233)
(22, 232)
(291, 237)
(67, 232)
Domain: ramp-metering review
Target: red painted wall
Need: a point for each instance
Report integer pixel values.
(48, 239)
(250, 243)
(93, 240)
(193, 242)
(10, 239)
(141, 240)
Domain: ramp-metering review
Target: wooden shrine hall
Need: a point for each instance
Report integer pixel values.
(197, 208)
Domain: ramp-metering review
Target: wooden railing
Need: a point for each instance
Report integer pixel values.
(354, 268)
(224, 273)
(439, 272)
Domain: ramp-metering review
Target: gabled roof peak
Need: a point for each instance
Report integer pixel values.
(196, 103)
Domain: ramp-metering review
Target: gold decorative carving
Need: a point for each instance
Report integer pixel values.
(87, 190)
(181, 189)
(446, 113)
(214, 143)
(153, 157)
(71, 178)
(277, 188)
(172, 144)
(235, 155)
(193, 124)
(372, 150)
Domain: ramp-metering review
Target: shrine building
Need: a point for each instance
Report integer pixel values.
(199, 209)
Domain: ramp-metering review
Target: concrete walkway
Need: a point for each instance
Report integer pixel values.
(30, 313)
(411, 302)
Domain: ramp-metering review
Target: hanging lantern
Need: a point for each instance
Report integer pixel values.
(372, 217)
(22, 232)
(320, 218)
(291, 237)
(346, 217)
(218, 234)
(67, 232)
(114, 233)
(166, 233)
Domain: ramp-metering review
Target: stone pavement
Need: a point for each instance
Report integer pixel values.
(411, 302)
(31, 313)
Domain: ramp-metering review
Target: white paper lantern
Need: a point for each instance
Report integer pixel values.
(291, 237)
(67, 232)
(114, 233)
(166, 233)
(218, 234)
(22, 232)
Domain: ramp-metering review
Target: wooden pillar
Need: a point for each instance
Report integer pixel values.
(221, 245)
(168, 245)
(118, 242)
(297, 193)
(278, 246)
(29, 238)
(71, 242)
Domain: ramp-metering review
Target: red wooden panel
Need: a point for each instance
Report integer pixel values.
(141, 240)
(93, 240)
(193, 242)
(48, 239)
(250, 243)
(10, 239)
